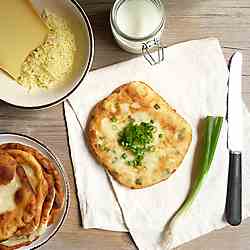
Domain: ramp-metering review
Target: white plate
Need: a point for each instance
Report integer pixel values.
(50, 232)
(14, 94)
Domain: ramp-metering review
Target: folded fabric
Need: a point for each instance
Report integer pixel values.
(193, 80)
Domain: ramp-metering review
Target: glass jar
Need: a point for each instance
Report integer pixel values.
(137, 24)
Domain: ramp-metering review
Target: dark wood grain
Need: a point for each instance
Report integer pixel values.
(228, 20)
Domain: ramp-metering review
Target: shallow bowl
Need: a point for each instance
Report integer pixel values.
(16, 95)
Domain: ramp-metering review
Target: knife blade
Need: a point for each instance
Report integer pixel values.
(233, 209)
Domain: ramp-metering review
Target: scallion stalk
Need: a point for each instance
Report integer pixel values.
(211, 135)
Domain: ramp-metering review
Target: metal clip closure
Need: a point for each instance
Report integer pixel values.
(149, 47)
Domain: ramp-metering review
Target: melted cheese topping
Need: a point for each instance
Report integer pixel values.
(151, 160)
(7, 195)
(124, 108)
(110, 131)
(108, 128)
(141, 117)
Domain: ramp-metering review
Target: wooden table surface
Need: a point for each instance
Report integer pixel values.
(228, 20)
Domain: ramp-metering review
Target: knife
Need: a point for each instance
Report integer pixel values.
(235, 142)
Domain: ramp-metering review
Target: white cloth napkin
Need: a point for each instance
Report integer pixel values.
(193, 79)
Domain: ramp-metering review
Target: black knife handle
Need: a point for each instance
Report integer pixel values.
(234, 186)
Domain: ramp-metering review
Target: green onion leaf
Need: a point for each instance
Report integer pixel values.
(113, 119)
(124, 156)
(136, 138)
(211, 135)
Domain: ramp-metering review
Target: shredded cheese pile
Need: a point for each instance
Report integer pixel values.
(51, 62)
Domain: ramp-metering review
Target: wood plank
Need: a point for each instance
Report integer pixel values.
(228, 20)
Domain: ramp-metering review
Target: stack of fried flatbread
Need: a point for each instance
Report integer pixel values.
(31, 195)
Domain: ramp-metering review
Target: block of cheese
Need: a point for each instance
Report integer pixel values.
(21, 31)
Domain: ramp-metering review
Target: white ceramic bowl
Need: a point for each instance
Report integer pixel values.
(52, 229)
(14, 94)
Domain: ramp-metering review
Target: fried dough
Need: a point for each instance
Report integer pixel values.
(137, 103)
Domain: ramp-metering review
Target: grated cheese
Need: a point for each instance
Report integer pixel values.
(51, 62)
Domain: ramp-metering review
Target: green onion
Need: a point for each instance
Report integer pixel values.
(136, 139)
(138, 181)
(124, 156)
(113, 119)
(114, 160)
(114, 127)
(103, 147)
(157, 106)
(211, 135)
(151, 148)
(106, 149)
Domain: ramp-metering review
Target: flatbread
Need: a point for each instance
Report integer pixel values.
(137, 102)
(16, 197)
(38, 195)
(33, 171)
(7, 168)
(48, 168)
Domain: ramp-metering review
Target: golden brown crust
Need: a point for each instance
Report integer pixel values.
(50, 169)
(13, 220)
(2, 247)
(7, 168)
(39, 187)
(48, 202)
(40, 197)
(137, 100)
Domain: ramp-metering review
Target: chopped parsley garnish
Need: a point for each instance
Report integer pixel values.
(137, 138)
(160, 135)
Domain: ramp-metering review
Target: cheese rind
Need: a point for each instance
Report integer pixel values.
(21, 31)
